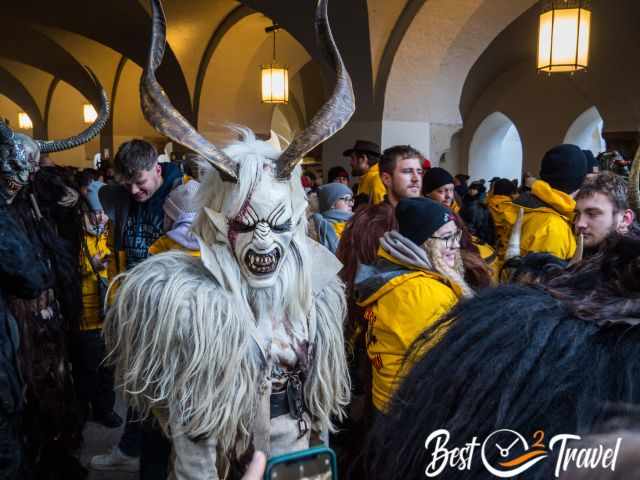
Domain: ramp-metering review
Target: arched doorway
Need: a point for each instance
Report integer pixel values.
(586, 131)
(496, 149)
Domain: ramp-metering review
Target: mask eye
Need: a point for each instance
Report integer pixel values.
(282, 228)
(241, 227)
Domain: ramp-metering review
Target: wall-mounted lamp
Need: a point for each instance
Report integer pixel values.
(89, 113)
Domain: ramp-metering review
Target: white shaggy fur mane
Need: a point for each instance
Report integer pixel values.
(181, 329)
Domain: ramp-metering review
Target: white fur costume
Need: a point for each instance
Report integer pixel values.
(202, 342)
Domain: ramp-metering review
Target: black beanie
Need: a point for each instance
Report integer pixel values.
(564, 168)
(419, 218)
(504, 186)
(435, 178)
(591, 160)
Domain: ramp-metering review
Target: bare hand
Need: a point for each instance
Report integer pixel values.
(99, 262)
(256, 467)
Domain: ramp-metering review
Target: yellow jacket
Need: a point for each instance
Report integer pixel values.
(489, 255)
(371, 185)
(547, 222)
(498, 207)
(455, 208)
(91, 318)
(165, 244)
(397, 313)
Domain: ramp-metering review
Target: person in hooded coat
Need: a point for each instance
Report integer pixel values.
(549, 207)
(417, 277)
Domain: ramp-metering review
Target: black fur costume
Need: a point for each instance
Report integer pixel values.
(50, 425)
(524, 358)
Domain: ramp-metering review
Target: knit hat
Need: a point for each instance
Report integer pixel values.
(419, 218)
(504, 186)
(92, 195)
(435, 178)
(564, 168)
(330, 193)
(591, 160)
(181, 200)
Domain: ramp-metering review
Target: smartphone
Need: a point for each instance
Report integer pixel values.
(318, 463)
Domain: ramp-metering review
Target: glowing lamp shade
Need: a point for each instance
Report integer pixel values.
(275, 84)
(89, 113)
(24, 122)
(563, 38)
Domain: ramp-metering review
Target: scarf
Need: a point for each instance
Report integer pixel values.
(403, 249)
(326, 234)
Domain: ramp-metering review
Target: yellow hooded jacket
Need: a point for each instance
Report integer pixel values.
(498, 207)
(547, 223)
(371, 185)
(398, 308)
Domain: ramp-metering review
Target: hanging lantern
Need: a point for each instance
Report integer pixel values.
(275, 77)
(24, 122)
(89, 113)
(563, 38)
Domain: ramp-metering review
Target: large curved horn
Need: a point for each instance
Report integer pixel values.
(335, 113)
(49, 146)
(163, 116)
(634, 185)
(513, 248)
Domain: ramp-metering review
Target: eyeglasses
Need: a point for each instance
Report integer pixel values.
(347, 199)
(452, 240)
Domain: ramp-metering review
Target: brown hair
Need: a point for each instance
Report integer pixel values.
(607, 183)
(399, 152)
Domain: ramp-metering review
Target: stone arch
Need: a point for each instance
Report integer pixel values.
(586, 131)
(496, 149)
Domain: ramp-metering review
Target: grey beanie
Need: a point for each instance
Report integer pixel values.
(92, 196)
(330, 193)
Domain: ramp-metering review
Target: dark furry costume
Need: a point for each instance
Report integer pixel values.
(50, 426)
(524, 358)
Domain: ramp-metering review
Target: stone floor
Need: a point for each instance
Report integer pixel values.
(97, 440)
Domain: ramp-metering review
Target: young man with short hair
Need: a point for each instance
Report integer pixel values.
(602, 209)
(401, 172)
(135, 204)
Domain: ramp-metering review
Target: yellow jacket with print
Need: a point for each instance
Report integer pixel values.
(91, 315)
(548, 221)
(372, 186)
(166, 244)
(400, 303)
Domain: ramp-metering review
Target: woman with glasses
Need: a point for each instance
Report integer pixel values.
(335, 210)
(418, 276)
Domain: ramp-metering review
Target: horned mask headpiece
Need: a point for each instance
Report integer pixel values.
(20, 154)
(163, 116)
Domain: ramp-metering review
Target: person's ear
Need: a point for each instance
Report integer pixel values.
(386, 179)
(158, 168)
(627, 219)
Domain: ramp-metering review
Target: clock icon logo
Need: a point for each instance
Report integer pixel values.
(506, 453)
